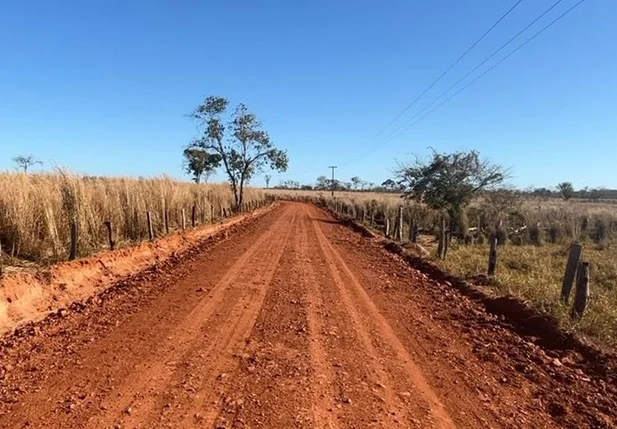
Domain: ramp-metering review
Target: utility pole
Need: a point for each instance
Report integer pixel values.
(333, 167)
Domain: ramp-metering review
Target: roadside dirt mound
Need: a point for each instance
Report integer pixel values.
(27, 297)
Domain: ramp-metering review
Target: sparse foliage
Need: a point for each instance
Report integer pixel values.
(244, 147)
(23, 163)
(448, 182)
(267, 178)
(356, 182)
(323, 183)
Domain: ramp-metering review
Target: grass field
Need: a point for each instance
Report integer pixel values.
(36, 210)
(532, 272)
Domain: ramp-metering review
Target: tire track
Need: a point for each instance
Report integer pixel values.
(153, 375)
(201, 412)
(323, 392)
(437, 414)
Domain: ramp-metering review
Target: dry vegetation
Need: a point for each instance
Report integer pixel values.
(531, 260)
(36, 210)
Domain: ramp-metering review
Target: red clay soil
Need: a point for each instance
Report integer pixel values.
(30, 296)
(292, 320)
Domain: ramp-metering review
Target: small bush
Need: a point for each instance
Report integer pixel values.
(555, 233)
(517, 240)
(535, 235)
(600, 232)
(502, 236)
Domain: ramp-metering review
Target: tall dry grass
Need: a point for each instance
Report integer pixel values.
(36, 210)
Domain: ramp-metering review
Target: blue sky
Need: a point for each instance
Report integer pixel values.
(103, 87)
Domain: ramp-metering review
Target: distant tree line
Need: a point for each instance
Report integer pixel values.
(355, 184)
(564, 190)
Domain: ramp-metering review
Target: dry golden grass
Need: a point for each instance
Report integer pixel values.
(36, 210)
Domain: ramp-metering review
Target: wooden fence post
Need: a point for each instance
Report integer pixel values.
(183, 220)
(149, 221)
(110, 235)
(372, 217)
(582, 291)
(387, 226)
(413, 231)
(194, 216)
(74, 240)
(363, 215)
(399, 227)
(1, 262)
(574, 257)
(211, 213)
(166, 221)
(492, 258)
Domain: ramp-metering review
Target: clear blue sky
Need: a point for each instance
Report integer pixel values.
(103, 87)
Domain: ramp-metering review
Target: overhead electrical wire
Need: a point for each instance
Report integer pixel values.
(407, 124)
(487, 59)
(443, 74)
(480, 76)
(454, 64)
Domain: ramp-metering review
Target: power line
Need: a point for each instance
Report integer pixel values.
(497, 63)
(487, 59)
(333, 167)
(458, 60)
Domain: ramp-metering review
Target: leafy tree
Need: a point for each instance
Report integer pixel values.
(25, 162)
(244, 147)
(448, 182)
(389, 184)
(267, 178)
(356, 182)
(289, 184)
(323, 183)
(199, 163)
(566, 190)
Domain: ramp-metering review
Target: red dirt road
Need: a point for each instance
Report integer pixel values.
(291, 320)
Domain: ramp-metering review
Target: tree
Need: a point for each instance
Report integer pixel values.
(448, 182)
(199, 163)
(25, 162)
(356, 182)
(244, 147)
(323, 183)
(389, 184)
(267, 178)
(566, 190)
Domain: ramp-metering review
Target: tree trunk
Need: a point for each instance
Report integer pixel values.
(240, 196)
(234, 188)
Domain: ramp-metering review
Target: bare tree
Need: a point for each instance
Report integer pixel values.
(267, 178)
(25, 162)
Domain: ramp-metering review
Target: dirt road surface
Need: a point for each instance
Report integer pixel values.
(290, 321)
